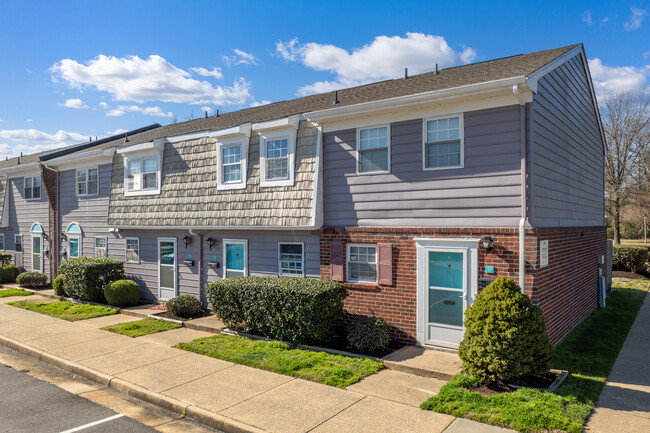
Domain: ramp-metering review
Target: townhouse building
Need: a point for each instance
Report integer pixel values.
(415, 192)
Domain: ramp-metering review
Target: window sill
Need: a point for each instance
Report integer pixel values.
(136, 193)
(227, 186)
(272, 183)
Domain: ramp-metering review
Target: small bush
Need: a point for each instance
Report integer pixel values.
(297, 310)
(629, 258)
(85, 277)
(9, 273)
(505, 335)
(5, 259)
(185, 306)
(32, 279)
(369, 335)
(57, 286)
(122, 293)
(631, 229)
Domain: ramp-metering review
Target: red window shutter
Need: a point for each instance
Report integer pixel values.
(385, 264)
(336, 261)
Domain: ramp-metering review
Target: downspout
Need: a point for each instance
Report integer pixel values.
(522, 221)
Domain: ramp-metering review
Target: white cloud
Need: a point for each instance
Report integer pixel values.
(636, 20)
(258, 103)
(604, 20)
(240, 58)
(12, 150)
(117, 131)
(609, 80)
(386, 57)
(214, 72)
(208, 109)
(29, 120)
(586, 18)
(646, 55)
(121, 110)
(74, 103)
(103, 105)
(152, 79)
(36, 136)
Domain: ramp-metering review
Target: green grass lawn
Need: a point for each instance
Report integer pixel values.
(65, 310)
(5, 293)
(142, 327)
(333, 370)
(588, 353)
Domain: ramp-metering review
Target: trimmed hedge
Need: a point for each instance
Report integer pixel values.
(369, 334)
(58, 286)
(32, 279)
(5, 259)
(85, 277)
(629, 258)
(9, 273)
(185, 306)
(122, 293)
(297, 310)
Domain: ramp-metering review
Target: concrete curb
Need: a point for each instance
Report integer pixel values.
(203, 416)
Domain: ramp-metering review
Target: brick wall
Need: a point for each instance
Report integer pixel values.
(50, 178)
(572, 258)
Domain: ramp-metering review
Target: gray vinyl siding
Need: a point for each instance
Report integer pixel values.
(567, 160)
(484, 193)
(262, 257)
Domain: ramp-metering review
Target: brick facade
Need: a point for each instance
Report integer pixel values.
(566, 290)
(49, 180)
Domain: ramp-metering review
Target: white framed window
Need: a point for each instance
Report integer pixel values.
(87, 181)
(232, 163)
(361, 263)
(291, 259)
(32, 187)
(2, 242)
(235, 257)
(101, 246)
(18, 243)
(74, 236)
(277, 158)
(142, 174)
(132, 250)
(373, 149)
(443, 143)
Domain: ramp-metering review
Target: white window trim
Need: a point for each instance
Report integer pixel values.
(140, 156)
(76, 183)
(125, 244)
(302, 244)
(461, 135)
(80, 239)
(243, 163)
(290, 135)
(4, 246)
(243, 242)
(388, 144)
(41, 258)
(174, 240)
(40, 192)
(22, 245)
(347, 263)
(95, 243)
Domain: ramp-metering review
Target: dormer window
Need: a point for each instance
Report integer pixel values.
(277, 156)
(232, 162)
(32, 187)
(87, 181)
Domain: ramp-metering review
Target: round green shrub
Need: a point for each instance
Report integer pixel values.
(32, 279)
(122, 293)
(505, 335)
(369, 335)
(185, 306)
(57, 286)
(9, 273)
(629, 258)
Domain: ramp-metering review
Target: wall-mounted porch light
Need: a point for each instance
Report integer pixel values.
(188, 240)
(211, 242)
(486, 242)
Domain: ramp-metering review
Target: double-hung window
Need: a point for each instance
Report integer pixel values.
(362, 263)
(373, 150)
(101, 246)
(277, 159)
(32, 187)
(142, 174)
(87, 181)
(231, 163)
(18, 243)
(443, 143)
(132, 250)
(291, 259)
(277, 156)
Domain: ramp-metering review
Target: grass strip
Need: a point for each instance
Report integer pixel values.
(65, 310)
(142, 327)
(588, 353)
(5, 293)
(334, 370)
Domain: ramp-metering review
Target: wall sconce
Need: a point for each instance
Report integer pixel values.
(188, 240)
(211, 242)
(63, 237)
(486, 242)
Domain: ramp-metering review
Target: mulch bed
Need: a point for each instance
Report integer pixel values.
(644, 275)
(157, 307)
(528, 381)
(168, 315)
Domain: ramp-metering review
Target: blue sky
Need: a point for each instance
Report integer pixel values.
(74, 69)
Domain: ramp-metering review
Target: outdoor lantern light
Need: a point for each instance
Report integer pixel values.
(188, 240)
(487, 243)
(210, 242)
(63, 237)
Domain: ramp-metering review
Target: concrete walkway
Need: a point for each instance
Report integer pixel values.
(220, 394)
(624, 403)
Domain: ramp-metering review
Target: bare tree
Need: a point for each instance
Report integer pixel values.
(626, 120)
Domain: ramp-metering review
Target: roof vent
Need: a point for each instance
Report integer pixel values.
(217, 113)
(126, 138)
(406, 73)
(206, 114)
(336, 98)
(437, 71)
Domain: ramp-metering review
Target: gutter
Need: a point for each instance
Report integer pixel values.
(215, 228)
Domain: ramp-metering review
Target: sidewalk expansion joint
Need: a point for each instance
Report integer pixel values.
(337, 413)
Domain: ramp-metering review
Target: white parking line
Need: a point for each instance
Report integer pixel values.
(92, 424)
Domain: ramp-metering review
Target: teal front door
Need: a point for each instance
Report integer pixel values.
(235, 253)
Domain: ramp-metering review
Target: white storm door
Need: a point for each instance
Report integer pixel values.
(167, 269)
(37, 253)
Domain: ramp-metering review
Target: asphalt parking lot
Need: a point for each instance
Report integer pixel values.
(29, 405)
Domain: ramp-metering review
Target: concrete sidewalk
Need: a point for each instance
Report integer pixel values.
(624, 403)
(220, 394)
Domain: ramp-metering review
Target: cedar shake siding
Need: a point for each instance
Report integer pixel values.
(486, 192)
(567, 155)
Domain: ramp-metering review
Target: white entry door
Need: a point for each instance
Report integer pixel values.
(447, 282)
(167, 268)
(37, 253)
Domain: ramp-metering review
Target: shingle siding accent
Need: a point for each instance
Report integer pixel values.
(189, 195)
(3, 193)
